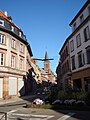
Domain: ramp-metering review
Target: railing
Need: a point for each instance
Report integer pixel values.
(3, 115)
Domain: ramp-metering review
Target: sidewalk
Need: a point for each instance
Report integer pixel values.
(15, 99)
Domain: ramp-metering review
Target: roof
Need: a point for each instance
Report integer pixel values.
(78, 28)
(80, 11)
(7, 18)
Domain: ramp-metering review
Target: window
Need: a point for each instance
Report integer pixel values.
(13, 61)
(72, 45)
(81, 18)
(66, 51)
(78, 40)
(2, 59)
(80, 59)
(20, 34)
(46, 65)
(21, 64)
(12, 28)
(67, 65)
(74, 26)
(1, 22)
(2, 39)
(73, 62)
(88, 55)
(13, 43)
(21, 47)
(83, 59)
(89, 10)
(86, 33)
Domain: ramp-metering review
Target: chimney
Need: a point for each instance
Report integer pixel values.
(6, 13)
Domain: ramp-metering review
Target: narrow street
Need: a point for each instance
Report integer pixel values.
(16, 111)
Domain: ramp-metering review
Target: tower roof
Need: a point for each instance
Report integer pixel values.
(46, 55)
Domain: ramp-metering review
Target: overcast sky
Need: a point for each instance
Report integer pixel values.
(44, 22)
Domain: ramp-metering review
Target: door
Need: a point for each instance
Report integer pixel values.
(1, 87)
(12, 86)
(21, 87)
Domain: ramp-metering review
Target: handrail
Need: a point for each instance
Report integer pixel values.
(4, 115)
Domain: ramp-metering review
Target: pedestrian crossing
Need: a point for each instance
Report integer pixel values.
(16, 116)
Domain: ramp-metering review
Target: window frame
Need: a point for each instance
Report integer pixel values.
(88, 49)
(87, 33)
(74, 26)
(21, 64)
(73, 62)
(2, 59)
(71, 45)
(12, 28)
(89, 10)
(2, 38)
(12, 61)
(80, 59)
(21, 48)
(78, 40)
(13, 43)
(1, 22)
(81, 18)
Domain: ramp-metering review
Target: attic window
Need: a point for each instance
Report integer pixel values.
(20, 34)
(1, 22)
(12, 28)
(89, 10)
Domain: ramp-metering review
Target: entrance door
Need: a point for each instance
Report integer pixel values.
(1, 87)
(12, 86)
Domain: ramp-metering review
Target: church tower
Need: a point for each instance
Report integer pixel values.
(46, 63)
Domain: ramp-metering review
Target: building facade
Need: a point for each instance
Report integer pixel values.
(64, 66)
(79, 43)
(14, 50)
(44, 76)
(49, 73)
(79, 50)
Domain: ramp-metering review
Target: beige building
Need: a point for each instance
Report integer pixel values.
(79, 51)
(15, 52)
(79, 42)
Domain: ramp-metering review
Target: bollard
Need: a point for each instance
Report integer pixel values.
(5, 116)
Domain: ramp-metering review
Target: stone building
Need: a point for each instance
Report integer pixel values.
(78, 52)
(15, 52)
(44, 75)
(48, 72)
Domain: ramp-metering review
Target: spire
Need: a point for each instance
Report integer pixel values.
(46, 55)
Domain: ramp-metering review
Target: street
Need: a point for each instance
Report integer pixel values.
(17, 111)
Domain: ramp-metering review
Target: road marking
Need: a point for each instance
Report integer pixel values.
(43, 117)
(12, 111)
(66, 116)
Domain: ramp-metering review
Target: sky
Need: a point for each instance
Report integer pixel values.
(44, 22)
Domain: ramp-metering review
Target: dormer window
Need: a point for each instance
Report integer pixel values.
(81, 18)
(12, 28)
(20, 34)
(74, 26)
(89, 10)
(1, 23)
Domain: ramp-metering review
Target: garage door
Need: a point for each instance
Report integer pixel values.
(12, 86)
(21, 87)
(1, 87)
